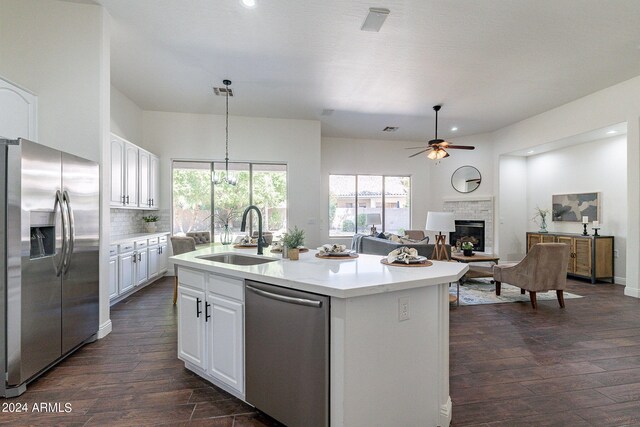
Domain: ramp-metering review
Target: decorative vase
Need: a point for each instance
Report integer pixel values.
(543, 225)
(467, 252)
(225, 235)
(294, 254)
(151, 227)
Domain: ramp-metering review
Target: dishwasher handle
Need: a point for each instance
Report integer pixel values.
(283, 298)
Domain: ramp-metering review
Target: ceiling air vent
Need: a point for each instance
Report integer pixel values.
(390, 129)
(222, 91)
(327, 112)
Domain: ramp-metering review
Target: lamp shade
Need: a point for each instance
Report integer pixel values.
(374, 219)
(440, 221)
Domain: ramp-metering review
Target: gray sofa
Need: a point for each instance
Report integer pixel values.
(377, 246)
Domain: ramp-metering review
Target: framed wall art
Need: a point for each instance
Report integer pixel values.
(572, 207)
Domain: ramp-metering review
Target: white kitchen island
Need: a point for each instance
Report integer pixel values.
(389, 331)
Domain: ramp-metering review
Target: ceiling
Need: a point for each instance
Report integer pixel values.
(490, 63)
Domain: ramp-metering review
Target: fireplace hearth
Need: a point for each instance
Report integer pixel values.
(469, 231)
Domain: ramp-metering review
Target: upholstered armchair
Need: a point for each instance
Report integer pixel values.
(544, 268)
(201, 237)
(180, 245)
(416, 235)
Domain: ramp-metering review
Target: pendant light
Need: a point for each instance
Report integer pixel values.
(226, 179)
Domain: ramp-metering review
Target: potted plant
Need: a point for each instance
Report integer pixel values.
(292, 242)
(467, 248)
(542, 215)
(150, 223)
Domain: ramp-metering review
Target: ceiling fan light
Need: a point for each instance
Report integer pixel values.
(433, 155)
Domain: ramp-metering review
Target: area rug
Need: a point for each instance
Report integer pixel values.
(477, 292)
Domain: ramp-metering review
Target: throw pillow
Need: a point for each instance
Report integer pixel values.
(381, 236)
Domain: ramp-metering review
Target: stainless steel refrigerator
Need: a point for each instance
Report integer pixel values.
(49, 220)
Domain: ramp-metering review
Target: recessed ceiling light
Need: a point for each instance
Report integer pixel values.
(453, 129)
(611, 132)
(530, 152)
(375, 19)
(249, 4)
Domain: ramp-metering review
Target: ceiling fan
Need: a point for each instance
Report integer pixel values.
(437, 148)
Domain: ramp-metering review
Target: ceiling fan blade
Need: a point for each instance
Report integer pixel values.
(419, 152)
(461, 147)
(415, 148)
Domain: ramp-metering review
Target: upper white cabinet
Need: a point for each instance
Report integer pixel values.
(134, 176)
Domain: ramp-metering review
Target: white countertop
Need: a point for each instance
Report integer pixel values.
(137, 236)
(341, 278)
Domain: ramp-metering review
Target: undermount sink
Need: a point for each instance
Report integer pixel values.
(237, 259)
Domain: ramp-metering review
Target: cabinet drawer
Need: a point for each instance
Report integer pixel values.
(141, 244)
(125, 247)
(153, 241)
(163, 239)
(113, 250)
(225, 286)
(191, 278)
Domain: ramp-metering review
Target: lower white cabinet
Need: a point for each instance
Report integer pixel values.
(191, 327)
(211, 327)
(113, 277)
(126, 272)
(138, 263)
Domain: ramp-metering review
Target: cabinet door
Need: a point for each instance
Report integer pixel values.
(142, 265)
(164, 258)
(546, 238)
(144, 198)
(225, 341)
(571, 266)
(154, 181)
(191, 326)
(131, 175)
(113, 277)
(154, 261)
(582, 253)
(126, 272)
(533, 239)
(117, 172)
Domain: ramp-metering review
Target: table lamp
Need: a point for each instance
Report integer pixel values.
(440, 222)
(373, 219)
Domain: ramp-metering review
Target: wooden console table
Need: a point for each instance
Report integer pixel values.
(591, 257)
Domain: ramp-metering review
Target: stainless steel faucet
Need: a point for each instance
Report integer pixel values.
(261, 242)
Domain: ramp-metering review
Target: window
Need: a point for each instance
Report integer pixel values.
(194, 194)
(389, 196)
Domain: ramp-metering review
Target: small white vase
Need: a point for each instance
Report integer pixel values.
(151, 227)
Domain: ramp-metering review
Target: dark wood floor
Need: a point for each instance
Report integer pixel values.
(578, 366)
(510, 366)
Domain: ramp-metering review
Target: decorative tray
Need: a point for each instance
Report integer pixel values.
(245, 245)
(343, 255)
(418, 263)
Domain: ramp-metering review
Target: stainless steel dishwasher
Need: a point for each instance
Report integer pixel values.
(287, 354)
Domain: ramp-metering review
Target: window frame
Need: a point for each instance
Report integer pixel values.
(382, 203)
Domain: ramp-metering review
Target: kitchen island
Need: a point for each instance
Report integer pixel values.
(388, 346)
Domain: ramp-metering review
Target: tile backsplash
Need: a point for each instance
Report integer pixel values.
(128, 221)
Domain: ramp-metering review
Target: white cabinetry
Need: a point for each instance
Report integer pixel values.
(211, 327)
(113, 271)
(134, 176)
(136, 264)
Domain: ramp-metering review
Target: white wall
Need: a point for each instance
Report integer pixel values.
(60, 52)
(126, 117)
(513, 217)
(583, 169)
(202, 136)
(364, 156)
(616, 104)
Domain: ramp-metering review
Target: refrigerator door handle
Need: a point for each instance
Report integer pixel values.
(60, 203)
(72, 231)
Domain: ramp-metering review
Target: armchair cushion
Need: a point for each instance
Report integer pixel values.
(200, 237)
(543, 268)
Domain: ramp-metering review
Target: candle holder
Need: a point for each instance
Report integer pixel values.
(595, 231)
(584, 232)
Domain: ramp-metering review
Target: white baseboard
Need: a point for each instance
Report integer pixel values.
(620, 280)
(445, 412)
(105, 329)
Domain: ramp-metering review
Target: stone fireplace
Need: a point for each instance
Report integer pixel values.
(475, 210)
(468, 231)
